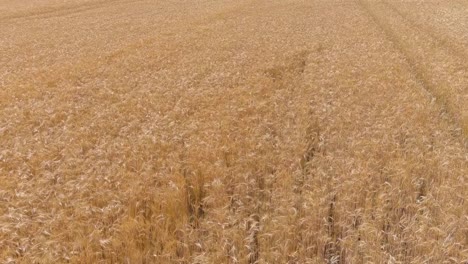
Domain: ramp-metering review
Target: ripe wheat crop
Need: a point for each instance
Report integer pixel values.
(176, 131)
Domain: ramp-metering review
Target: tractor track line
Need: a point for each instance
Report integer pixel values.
(443, 42)
(418, 73)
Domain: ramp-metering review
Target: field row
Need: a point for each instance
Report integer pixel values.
(300, 131)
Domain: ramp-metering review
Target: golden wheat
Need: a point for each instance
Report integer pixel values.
(174, 131)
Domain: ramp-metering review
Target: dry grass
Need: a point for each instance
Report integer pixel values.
(140, 131)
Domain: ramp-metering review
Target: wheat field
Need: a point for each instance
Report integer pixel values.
(248, 131)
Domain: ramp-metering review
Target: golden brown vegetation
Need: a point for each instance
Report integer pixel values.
(174, 131)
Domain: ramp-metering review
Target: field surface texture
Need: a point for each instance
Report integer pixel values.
(259, 131)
